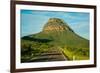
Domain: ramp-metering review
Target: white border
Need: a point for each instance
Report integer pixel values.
(58, 63)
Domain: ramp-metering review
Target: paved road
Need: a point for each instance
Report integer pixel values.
(53, 54)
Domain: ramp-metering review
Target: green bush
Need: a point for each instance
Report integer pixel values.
(76, 53)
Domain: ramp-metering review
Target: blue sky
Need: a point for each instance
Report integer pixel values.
(32, 21)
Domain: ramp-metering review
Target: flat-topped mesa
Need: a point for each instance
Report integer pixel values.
(56, 24)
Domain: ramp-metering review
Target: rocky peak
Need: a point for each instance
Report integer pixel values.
(56, 24)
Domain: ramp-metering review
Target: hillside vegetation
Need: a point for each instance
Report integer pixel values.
(56, 35)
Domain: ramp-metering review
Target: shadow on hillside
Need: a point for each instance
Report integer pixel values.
(36, 39)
